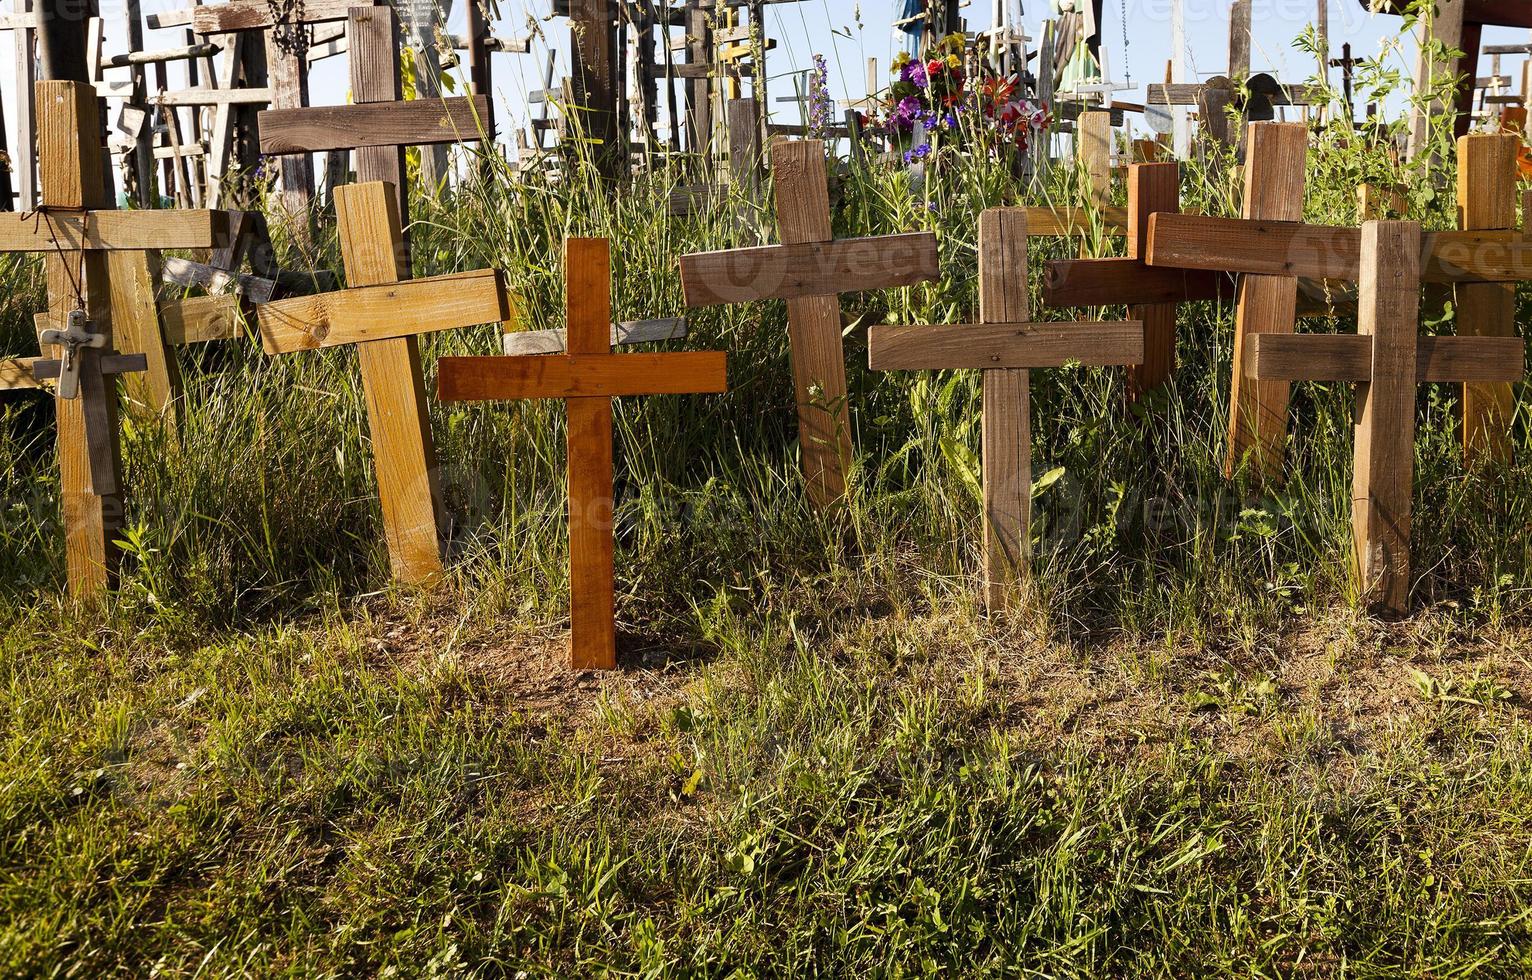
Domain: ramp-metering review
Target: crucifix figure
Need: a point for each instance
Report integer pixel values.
(78, 233)
(383, 314)
(1387, 360)
(1004, 344)
(809, 270)
(588, 377)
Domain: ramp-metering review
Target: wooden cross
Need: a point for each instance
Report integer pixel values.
(809, 270)
(287, 71)
(1151, 294)
(1387, 360)
(1265, 250)
(383, 314)
(78, 236)
(1004, 345)
(588, 377)
(378, 124)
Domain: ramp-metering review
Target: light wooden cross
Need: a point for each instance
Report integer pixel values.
(79, 235)
(378, 124)
(1004, 344)
(1387, 360)
(1483, 259)
(587, 378)
(1151, 294)
(808, 270)
(382, 315)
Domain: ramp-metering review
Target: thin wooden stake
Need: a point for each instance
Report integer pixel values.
(1487, 179)
(1007, 438)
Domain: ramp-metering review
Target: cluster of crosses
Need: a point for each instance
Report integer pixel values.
(1171, 258)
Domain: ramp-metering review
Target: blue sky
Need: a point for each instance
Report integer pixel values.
(848, 32)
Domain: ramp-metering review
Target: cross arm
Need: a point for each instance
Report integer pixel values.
(810, 269)
(16, 373)
(68, 231)
(1116, 281)
(1004, 345)
(1348, 357)
(394, 309)
(47, 369)
(580, 375)
(555, 341)
(1291, 248)
(250, 15)
(421, 122)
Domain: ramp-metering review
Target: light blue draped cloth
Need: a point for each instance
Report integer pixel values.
(913, 30)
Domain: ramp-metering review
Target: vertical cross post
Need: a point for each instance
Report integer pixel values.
(1094, 128)
(1274, 179)
(1487, 177)
(1152, 187)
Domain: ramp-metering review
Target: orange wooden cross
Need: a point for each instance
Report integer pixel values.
(588, 377)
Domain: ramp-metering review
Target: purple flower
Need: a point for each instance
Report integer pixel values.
(918, 153)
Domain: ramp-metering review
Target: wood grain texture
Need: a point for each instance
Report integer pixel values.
(1006, 435)
(200, 319)
(1043, 222)
(790, 271)
(16, 373)
(1384, 456)
(134, 279)
(518, 342)
(1274, 178)
(581, 375)
(1348, 357)
(383, 124)
(1486, 195)
(247, 15)
(813, 326)
(393, 382)
(107, 230)
(1093, 135)
(1285, 248)
(90, 464)
(375, 78)
(1152, 187)
(592, 586)
(1114, 281)
(387, 310)
(954, 346)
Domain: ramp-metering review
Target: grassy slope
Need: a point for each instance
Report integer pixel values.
(1196, 758)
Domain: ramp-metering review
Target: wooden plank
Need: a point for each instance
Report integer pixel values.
(89, 453)
(376, 78)
(199, 319)
(1274, 178)
(603, 375)
(1382, 489)
(1048, 222)
(813, 321)
(390, 124)
(1348, 358)
(1093, 137)
(409, 482)
(156, 392)
(523, 342)
(16, 373)
(51, 231)
(1289, 248)
(49, 369)
(1125, 281)
(592, 586)
(807, 269)
(184, 272)
(955, 346)
(248, 15)
(1486, 189)
(214, 96)
(1006, 437)
(387, 310)
(1152, 187)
